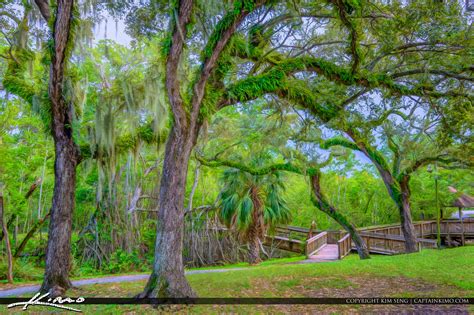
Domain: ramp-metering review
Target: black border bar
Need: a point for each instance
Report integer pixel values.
(258, 301)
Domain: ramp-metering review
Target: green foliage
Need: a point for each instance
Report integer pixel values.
(256, 86)
(275, 80)
(243, 195)
(230, 18)
(352, 5)
(341, 142)
(122, 114)
(13, 81)
(166, 44)
(121, 261)
(31, 86)
(23, 270)
(168, 39)
(24, 147)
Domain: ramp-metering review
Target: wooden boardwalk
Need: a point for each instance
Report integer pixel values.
(386, 239)
(330, 252)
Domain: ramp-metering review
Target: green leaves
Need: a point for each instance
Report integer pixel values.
(245, 212)
(245, 197)
(239, 8)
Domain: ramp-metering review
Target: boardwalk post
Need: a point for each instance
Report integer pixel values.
(462, 226)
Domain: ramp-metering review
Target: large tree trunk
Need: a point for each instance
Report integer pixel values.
(7, 243)
(361, 247)
(406, 223)
(400, 194)
(322, 204)
(167, 278)
(58, 251)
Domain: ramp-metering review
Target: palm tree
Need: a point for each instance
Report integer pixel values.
(252, 204)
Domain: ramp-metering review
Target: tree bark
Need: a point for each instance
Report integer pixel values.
(58, 262)
(400, 194)
(43, 6)
(33, 187)
(320, 202)
(56, 278)
(7, 244)
(167, 278)
(254, 247)
(9, 223)
(406, 222)
(257, 228)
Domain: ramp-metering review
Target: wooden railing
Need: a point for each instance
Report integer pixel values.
(344, 246)
(427, 228)
(456, 227)
(300, 233)
(421, 228)
(315, 243)
(292, 232)
(385, 239)
(284, 243)
(391, 244)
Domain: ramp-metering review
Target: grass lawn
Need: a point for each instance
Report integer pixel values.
(431, 273)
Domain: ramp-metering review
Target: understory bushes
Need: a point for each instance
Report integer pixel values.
(23, 269)
(206, 243)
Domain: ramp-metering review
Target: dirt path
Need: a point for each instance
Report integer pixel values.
(34, 288)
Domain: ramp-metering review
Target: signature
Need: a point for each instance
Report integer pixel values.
(56, 302)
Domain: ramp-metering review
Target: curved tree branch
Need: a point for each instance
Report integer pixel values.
(177, 38)
(43, 6)
(343, 142)
(341, 7)
(216, 44)
(433, 71)
(442, 158)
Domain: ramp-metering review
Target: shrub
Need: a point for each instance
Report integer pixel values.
(23, 270)
(121, 261)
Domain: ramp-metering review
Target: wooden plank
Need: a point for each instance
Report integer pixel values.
(344, 246)
(327, 253)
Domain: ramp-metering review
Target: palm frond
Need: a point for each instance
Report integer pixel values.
(243, 195)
